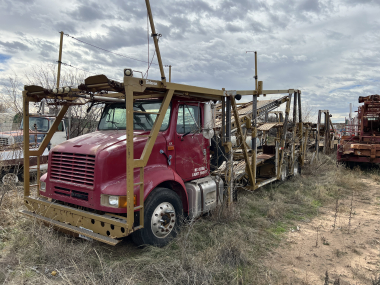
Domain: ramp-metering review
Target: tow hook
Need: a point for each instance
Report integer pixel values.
(167, 157)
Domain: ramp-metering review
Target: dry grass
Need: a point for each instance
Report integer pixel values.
(226, 247)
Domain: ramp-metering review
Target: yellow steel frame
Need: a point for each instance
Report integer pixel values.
(110, 226)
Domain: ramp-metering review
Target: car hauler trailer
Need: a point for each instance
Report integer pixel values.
(148, 164)
(323, 136)
(361, 140)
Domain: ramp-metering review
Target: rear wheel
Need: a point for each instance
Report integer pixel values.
(296, 168)
(284, 171)
(162, 216)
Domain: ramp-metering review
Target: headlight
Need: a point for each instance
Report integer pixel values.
(42, 186)
(113, 200)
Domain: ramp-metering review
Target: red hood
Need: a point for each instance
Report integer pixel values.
(92, 143)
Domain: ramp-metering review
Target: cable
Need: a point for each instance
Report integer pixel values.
(108, 50)
(69, 65)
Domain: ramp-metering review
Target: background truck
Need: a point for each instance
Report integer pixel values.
(361, 140)
(11, 146)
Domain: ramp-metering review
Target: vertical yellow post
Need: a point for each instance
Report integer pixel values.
(130, 156)
(38, 176)
(283, 136)
(142, 196)
(26, 142)
(59, 60)
(305, 146)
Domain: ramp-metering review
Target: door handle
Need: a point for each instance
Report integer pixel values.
(167, 157)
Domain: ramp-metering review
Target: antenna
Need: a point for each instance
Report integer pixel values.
(256, 78)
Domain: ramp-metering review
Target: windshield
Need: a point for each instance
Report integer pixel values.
(42, 124)
(114, 116)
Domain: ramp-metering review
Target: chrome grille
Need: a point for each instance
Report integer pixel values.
(4, 141)
(73, 167)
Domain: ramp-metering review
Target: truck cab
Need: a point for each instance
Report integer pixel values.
(89, 171)
(11, 153)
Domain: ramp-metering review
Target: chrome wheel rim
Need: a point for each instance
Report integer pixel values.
(295, 169)
(163, 220)
(283, 173)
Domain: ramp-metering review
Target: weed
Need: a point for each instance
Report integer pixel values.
(226, 247)
(349, 219)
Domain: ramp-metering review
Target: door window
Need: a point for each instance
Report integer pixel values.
(188, 119)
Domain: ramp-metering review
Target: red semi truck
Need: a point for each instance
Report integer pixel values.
(361, 140)
(148, 164)
(90, 171)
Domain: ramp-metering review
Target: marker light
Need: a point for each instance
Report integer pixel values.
(128, 72)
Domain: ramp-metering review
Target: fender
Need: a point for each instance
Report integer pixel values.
(165, 177)
(154, 176)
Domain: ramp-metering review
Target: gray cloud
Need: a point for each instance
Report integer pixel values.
(89, 11)
(13, 46)
(329, 49)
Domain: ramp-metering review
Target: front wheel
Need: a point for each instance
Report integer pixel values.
(162, 216)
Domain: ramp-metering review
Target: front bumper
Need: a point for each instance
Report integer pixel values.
(106, 228)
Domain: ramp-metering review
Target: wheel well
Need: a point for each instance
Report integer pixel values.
(177, 188)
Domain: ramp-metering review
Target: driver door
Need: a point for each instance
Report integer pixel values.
(191, 146)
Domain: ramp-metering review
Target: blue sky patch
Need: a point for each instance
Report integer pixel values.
(4, 57)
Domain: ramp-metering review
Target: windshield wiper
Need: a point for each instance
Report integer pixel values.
(113, 123)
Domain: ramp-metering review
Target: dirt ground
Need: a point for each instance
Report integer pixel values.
(349, 252)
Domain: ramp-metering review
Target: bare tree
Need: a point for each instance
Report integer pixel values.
(45, 75)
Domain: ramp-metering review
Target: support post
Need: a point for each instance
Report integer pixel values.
(283, 135)
(295, 107)
(130, 156)
(50, 133)
(294, 132)
(170, 73)
(254, 138)
(326, 146)
(155, 39)
(317, 135)
(229, 164)
(243, 144)
(59, 60)
(156, 126)
(256, 78)
(300, 130)
(38, 176)
(26, 143)
(305, 146)
(223, 135)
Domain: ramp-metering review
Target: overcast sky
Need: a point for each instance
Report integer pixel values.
(328, 49)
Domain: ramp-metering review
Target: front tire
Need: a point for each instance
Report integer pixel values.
(162, 216)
